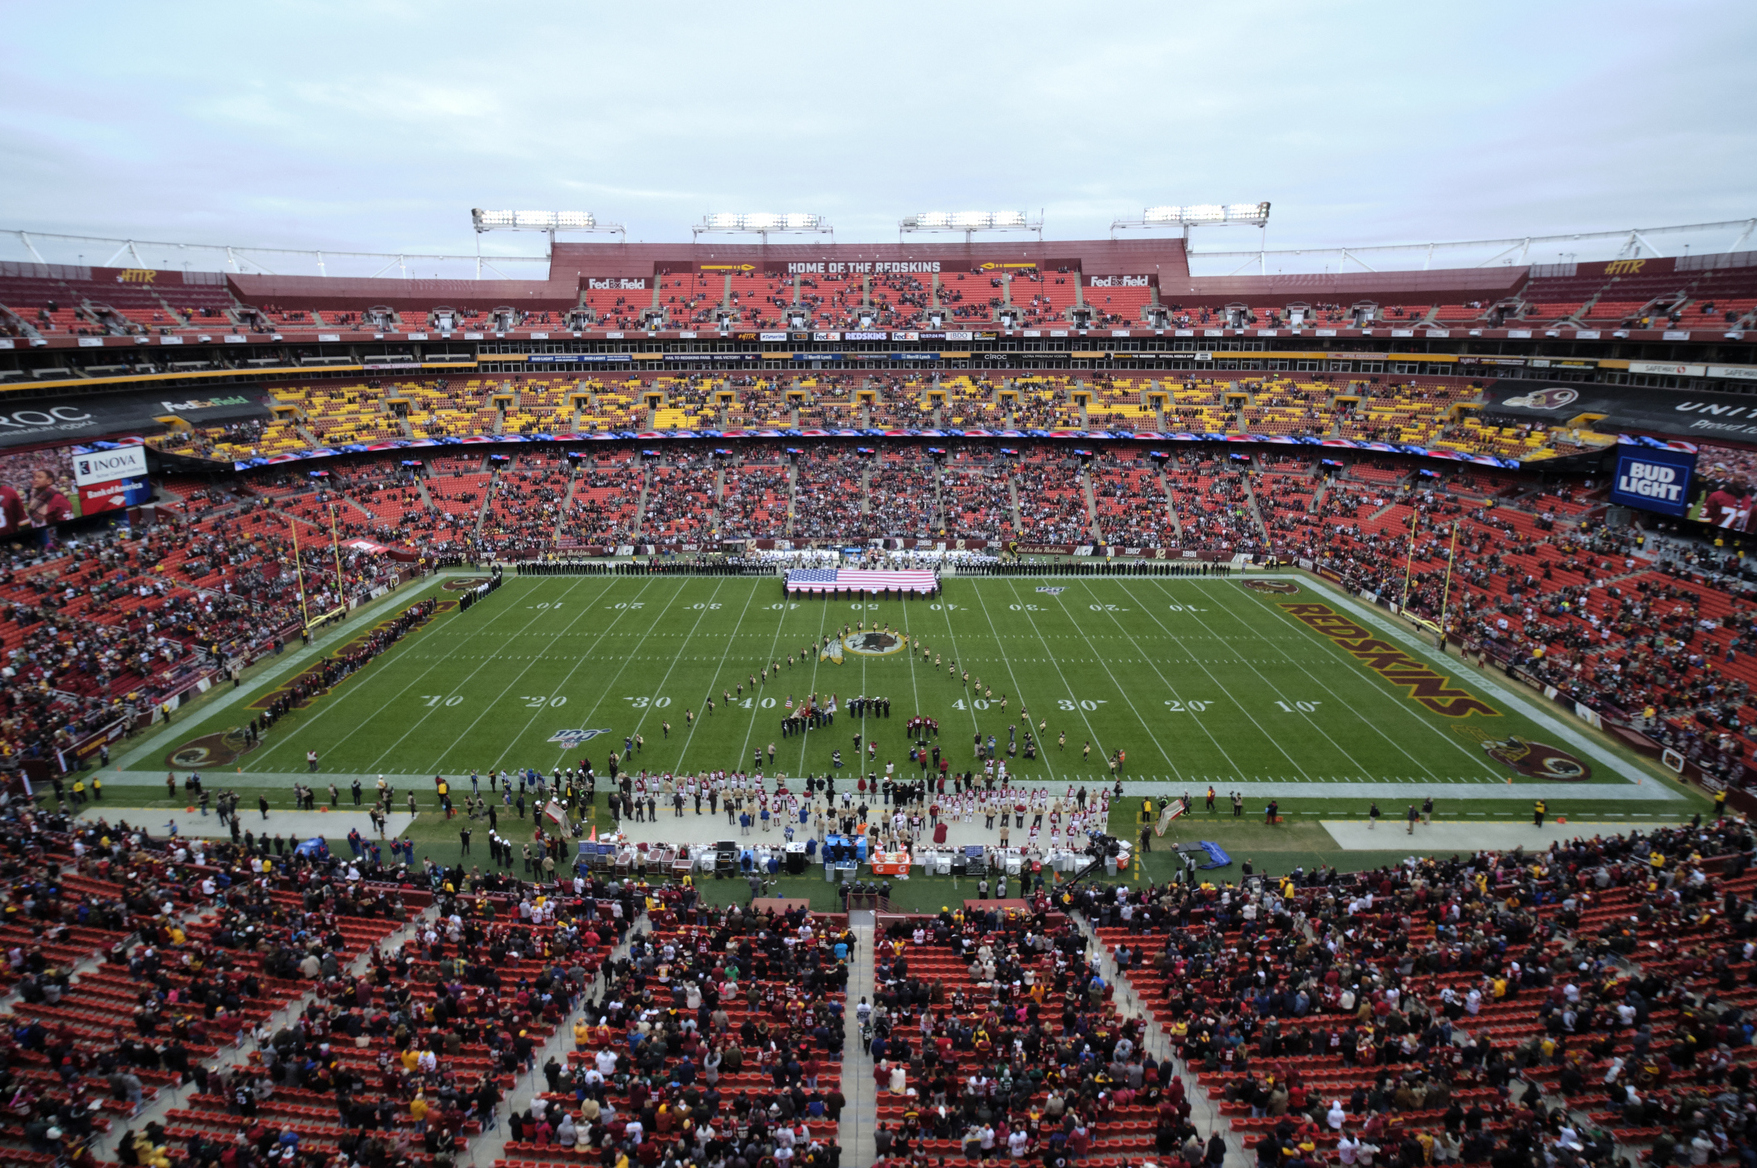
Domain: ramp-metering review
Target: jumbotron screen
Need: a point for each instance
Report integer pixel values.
(1725, 487)
(54, 484)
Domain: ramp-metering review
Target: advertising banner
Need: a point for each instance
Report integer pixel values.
(38, 487)
(89, 416)
(106, 466)
(1692, 415)
(1653, 478)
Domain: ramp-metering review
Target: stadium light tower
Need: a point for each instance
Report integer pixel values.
(1207, 215)
(1201, 215)
(761, 223)
(970, 222)
(548, 222)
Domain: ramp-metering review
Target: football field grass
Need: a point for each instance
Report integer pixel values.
(1198, 681)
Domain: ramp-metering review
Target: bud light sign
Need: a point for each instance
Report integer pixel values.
(1654, 480)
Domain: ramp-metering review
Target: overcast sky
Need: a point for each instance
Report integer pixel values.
(377, 126)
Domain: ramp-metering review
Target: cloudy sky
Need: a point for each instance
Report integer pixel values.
(376, 126)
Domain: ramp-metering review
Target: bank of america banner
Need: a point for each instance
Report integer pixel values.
(862, 580)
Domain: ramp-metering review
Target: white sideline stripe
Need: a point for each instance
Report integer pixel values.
(1650, 788)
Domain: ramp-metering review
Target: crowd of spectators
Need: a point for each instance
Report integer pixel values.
(1562, 1005)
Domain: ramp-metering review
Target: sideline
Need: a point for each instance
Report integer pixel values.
(1391, 835)
(1646, 786)
(271, 670)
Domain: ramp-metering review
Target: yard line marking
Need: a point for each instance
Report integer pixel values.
(718, 669)
(418, 679)
(610, 686)
(909, 652)
(817, 659)
(756, 707)
(1404, 707)
(1279, 693)
(1245, 710)
(505, 750)
(1145, 725)
(1058, 671)
(975, 725)
(1150, 664)
(669, 669)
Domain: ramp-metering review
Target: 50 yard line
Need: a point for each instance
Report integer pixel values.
(817, 658)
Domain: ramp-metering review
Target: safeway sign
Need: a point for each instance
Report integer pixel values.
(106, 466)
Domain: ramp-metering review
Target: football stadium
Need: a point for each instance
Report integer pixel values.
(1094, 700)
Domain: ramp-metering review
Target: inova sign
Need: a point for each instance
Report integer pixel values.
(107, 466)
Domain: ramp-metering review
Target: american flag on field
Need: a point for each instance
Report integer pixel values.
(861, 580)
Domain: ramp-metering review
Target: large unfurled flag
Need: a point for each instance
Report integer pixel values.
(862, 580)
(1173, 809)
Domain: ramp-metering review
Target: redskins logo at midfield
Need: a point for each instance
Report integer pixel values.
(863, 645)
(1273, 587)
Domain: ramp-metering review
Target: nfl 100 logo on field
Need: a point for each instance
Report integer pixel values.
(574, 739)
(1052, 591)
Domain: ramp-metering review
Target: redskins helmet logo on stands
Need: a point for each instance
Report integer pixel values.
(1553, 398)
(1276, 587)
(210, 750)
(1535, 760)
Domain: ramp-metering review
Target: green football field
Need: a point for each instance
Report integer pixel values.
(1198, 682)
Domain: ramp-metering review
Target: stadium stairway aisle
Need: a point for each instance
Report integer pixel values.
(1204, 1112)
(490, 1147)
(860, 1115)
(179, 1096)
